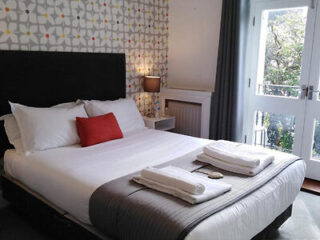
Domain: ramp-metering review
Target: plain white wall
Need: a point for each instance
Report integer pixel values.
(194, 28)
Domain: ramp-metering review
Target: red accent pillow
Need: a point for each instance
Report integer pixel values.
(98, 129)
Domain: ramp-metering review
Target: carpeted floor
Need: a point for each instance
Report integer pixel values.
(305, 221)
(303, 225)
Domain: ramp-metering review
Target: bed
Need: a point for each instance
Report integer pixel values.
(62, 180)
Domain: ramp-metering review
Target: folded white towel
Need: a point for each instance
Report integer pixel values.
(174, 177)
(234, 167)
(237, 153)
(213, 188)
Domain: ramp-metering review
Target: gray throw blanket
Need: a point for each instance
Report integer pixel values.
(123, 209)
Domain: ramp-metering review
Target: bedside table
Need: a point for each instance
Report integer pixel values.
(162, 123)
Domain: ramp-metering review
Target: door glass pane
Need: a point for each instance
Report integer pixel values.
(275, 131)
(316, 140)
(281, 50)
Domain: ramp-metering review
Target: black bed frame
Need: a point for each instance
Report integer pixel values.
(47, 78)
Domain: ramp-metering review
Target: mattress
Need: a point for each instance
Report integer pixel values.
(68, 176)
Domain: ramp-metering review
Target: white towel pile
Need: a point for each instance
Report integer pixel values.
(181, 183)
(236, 157)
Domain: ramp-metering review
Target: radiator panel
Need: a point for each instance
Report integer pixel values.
(188, 117)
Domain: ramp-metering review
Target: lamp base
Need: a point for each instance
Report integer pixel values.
(151, 115)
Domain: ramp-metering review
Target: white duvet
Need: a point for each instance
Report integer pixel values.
(68, 176)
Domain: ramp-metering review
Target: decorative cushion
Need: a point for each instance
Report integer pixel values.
(98, 129)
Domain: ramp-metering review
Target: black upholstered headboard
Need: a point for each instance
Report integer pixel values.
(43, 79)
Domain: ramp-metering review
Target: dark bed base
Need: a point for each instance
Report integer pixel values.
(264, 235)
(58, 226)
(42, 215)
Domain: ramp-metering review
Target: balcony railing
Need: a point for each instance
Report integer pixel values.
(279, 90)
(275, 131)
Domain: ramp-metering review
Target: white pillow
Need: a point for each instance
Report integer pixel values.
(12, 129)
(45, 128)
(125, 111)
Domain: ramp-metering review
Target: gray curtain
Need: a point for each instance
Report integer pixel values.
(227, 99)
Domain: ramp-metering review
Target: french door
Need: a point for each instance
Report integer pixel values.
(283, 104)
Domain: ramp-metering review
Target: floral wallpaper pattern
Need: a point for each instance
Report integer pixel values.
(138, 28)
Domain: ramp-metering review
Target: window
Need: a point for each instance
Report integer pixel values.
(282, 42)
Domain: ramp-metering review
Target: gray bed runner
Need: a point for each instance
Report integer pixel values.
(123, 209)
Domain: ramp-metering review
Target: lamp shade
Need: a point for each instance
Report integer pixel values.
(151, 84)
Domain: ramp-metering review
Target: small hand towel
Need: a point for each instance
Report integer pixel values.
(237, 153)
(234, 167)
(174, 177)
(213, 188)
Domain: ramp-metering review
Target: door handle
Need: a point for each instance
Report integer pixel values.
(304, 92)
(311, 91)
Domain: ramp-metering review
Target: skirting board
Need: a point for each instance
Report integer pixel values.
(64, 226)
(311, 186)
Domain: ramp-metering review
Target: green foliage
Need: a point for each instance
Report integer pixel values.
(283, 58)
(280, 131)
(284, 49)
(316, 144)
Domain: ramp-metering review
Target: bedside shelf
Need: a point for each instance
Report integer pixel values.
(162, 123)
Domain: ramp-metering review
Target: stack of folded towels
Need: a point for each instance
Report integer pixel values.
(181, 183)
(236, 157)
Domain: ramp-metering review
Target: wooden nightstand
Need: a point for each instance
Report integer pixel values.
(161, 123)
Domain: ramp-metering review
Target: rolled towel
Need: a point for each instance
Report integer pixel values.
(237, 153)
(234, 167)
(174, 177)
(213, 188)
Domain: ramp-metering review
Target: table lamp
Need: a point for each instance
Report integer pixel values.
(152, 84)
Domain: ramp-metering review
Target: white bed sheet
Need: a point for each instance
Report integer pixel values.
(68, 176)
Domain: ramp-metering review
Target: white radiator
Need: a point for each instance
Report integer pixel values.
(188, 117)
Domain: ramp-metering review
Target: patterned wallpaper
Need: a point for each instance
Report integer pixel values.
(138, 28)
